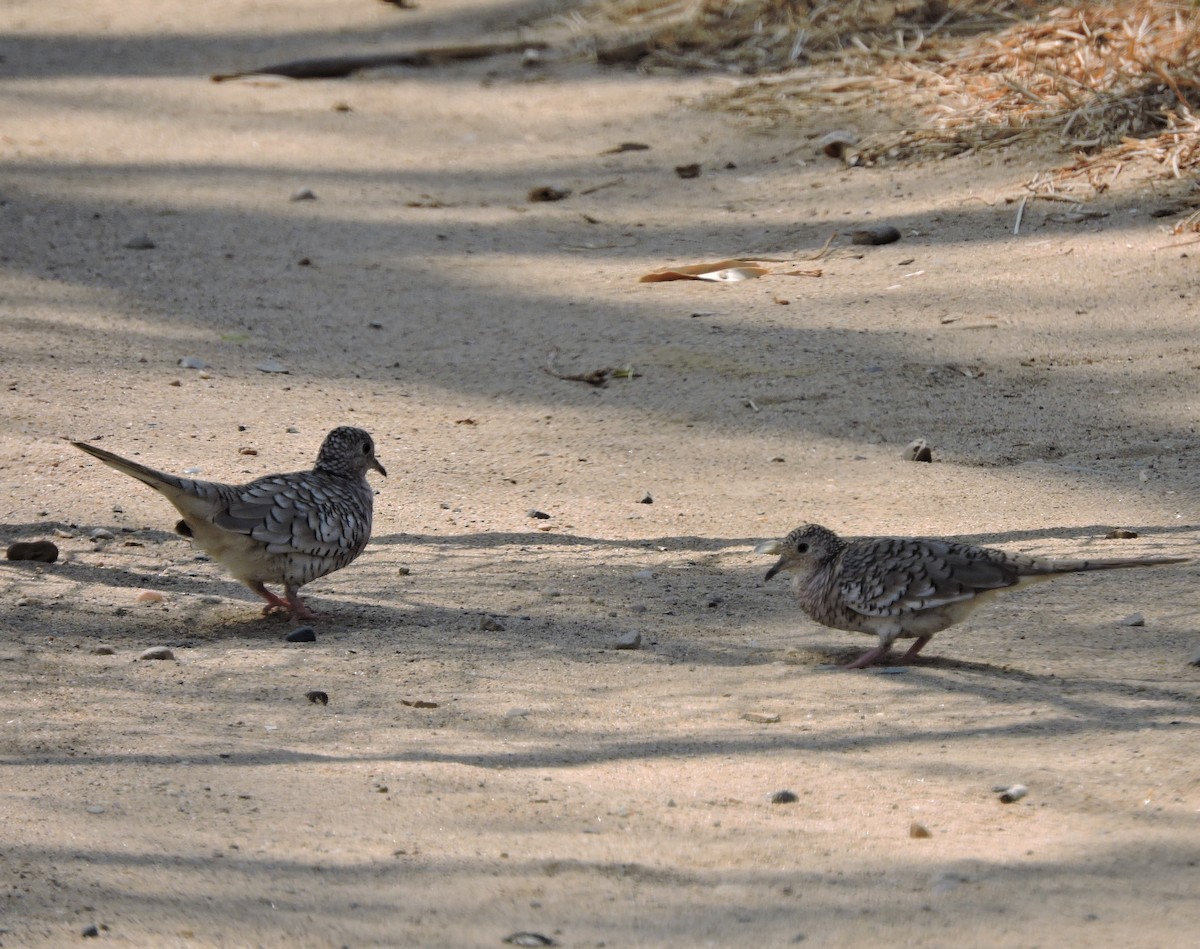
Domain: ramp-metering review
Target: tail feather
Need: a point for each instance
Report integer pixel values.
(1080, 566)
(159, 480)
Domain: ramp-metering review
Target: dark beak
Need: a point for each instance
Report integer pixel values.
(378, 467)
(772, 547)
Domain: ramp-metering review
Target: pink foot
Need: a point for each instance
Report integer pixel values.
(293, 606)
(870, 657)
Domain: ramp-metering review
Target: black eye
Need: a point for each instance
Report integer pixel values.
(802, 548)
(366, 448)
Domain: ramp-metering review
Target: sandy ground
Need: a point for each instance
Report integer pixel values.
(596, 797)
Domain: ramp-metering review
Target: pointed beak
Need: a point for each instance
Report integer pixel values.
(772, 547)
(378, 467)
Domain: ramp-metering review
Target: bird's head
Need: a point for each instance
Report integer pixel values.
(348, 453)
(804, 550)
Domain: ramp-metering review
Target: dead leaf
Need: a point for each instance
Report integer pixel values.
(723, 271)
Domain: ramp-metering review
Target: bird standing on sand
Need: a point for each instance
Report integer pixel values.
(283, 528)
(899, 587)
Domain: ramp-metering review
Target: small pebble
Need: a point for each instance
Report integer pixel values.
(150, 596)
(489, 625)
(404, 571)
(1119, 533)
(101, 533)
(837, 144)
(90, 932)
(95, 809)
(1133, 619)
(713, 600)
(140, 242)
(646, 499)
(304, 194)
(548, 193)
(270, 365)
(103, 651)
(528, 940)
(918, 450)
(885, 234)
(247, 451)
(631, 640)
(538, 515)
(918, 831)
(1011, 793)
(1195, 660)
(644, 575)
(784, 797)
(192, 362)
(157, 652)
(43, 551)
(316, 696)
(761, 718)
(688, 171)
(305, 634)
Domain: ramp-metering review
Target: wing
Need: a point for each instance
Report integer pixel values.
(301, 513)
(894, 576)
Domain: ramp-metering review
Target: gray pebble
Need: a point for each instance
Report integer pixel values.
(103, 651)
(271, 365)
(917, 450)
(305, 634)
(784, 797)
(631, 640)
(1195, 660)
(885, 234)
(538, 515)
(1133, 619)
(489, 625)
(157, 652)
(192, 362)
(646, 499)
(90, 932)
(837, 144)
(761, 718)
(528, 940)
(304, 194)
(101, 533)
(713, 600)
(1012, 793)
(140, 242)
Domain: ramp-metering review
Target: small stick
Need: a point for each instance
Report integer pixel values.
(1020, 214)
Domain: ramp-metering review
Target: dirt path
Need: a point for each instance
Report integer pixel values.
(595, 796)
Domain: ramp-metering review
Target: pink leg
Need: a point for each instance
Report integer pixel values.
(297, 607)
(273, 602)
(914, 649)
(870, 657)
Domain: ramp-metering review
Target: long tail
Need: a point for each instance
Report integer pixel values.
(1079, 566)
(159, 480)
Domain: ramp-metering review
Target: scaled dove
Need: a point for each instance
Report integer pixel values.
(284, 528)
(902, 588)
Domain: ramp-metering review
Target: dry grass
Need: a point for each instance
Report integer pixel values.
(1110, 83)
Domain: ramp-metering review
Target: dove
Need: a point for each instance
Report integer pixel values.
(285, 529)
(910, 588)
